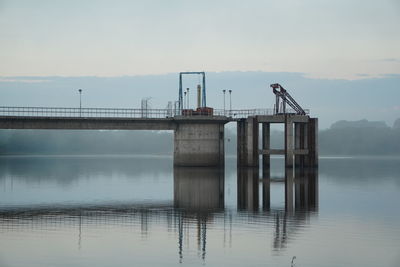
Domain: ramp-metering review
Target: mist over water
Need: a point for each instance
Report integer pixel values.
(139, 210)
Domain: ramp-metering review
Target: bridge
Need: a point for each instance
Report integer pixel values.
(198, 133)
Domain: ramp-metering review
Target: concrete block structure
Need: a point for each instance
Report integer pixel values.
(301, 141)
(199, 142)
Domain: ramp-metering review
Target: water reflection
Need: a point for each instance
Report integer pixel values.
(198, 194)
(198, 205)
(301, 199)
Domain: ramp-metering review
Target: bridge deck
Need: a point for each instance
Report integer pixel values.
(80, 123)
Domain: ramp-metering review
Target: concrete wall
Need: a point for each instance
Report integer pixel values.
(86, 123)
(247, 142)
(199, 144)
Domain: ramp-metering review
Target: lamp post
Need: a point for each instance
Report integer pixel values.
(224, 91)
(187, 89)
(184, 100)
(230, 102)
(80, 102)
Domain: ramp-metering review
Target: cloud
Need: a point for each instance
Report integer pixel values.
(396, 60)
(22, 80)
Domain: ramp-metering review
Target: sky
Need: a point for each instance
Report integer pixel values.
(342, 39)
(340, 59)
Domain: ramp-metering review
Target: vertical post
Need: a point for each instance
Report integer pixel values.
(288, 142)
(223, 91)
(204, 90)
(298, 143)
(252, 142)
(222, 144)
(230, 102)
(180, 94)
(266, 146)
(187, 98)
(247, 136)
(80, 102)
(241, 144)
(312, 142)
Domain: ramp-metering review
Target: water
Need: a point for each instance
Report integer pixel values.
(140, 211)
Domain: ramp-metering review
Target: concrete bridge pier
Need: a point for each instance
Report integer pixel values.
(199, 143)
(247, 142)
(301, 141)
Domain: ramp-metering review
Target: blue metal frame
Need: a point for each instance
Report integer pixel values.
(203, 101)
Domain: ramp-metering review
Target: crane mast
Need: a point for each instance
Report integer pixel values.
(282, 95)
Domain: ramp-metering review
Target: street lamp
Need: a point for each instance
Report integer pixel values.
(230, 101)
(184, 100)
(187, 89)
(80, 102)
(224, 91)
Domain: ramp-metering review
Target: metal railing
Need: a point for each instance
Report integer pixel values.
(123, 112)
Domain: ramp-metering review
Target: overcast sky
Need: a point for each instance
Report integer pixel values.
(349, 39)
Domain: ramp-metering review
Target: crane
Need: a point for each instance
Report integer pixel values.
(281, 93)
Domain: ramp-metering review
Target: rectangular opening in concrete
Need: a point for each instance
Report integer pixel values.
(277, 136)
(230, 140)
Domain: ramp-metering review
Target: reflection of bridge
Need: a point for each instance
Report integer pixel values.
(198, 202)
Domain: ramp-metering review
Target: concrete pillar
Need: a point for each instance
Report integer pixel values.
(266, 145)
(288, 142)
(241, 144)
(199, 143)
(247, 136)
(199, 188)
(312, 142)
(299, 143)
(247, 189)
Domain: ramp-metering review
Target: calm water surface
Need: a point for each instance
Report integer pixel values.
(140, 211)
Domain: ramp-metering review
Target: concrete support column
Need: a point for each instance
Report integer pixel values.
(299, 143)
(247, 136)
(266, 145)
(312, 142)
(289, 142)
(199, 144)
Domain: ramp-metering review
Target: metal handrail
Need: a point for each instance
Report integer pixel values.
(123, 112)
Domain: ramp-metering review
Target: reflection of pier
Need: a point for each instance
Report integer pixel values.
(301, 199)
(198, 205)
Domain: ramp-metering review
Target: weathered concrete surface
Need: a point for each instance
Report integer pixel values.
(199, 188)
(86, 123)
(265, 145)
(199, 143)
(247, 146)
(280, 118)
(312, 141)
(289, 143)
(199, 140)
